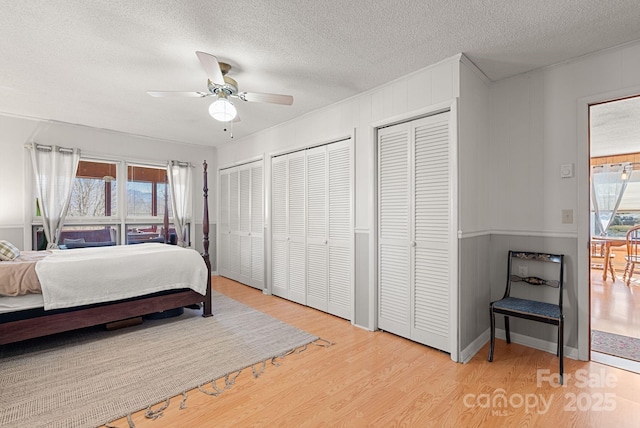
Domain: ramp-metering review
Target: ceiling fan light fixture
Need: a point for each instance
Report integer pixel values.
(222, 109)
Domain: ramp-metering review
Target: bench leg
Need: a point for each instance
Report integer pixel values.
(506, 328)
(493, 333)
(561, 349)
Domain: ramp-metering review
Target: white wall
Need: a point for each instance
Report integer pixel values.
(535, 128)
(475, 171)
(15, 176)
(13, 135)
(474, 156)
(538, 122)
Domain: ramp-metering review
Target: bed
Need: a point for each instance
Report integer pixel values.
(43, 314)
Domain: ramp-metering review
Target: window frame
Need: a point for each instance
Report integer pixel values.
(100, 219)
(121, 221)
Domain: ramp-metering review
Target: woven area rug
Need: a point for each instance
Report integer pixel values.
(92, 377)
(615, 344)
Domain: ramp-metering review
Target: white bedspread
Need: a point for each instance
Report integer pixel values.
(85, 276)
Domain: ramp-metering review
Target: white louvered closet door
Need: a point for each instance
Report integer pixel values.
(340, 259)
(279, 227)
(223, 229)
(394, 183)
(297, 227)
(257, 225)
(234, 224)
(414, 221)
(431, 305)
(312, 230)
(244, 229)
(329, 260)
(250, 233)
(241, 241)
(317, 229)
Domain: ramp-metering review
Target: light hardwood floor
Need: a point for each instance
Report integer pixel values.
(615, 307)
(381, 380)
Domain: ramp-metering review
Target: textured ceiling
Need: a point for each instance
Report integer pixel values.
(91, 62)
(615, 127)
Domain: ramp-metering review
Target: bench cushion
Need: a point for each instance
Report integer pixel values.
(524, 306)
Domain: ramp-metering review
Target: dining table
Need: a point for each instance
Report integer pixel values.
(609, 242)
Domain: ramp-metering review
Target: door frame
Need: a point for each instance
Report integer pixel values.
(452, 107)
(583, 154)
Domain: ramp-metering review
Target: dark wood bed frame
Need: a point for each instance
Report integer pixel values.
(14, 331)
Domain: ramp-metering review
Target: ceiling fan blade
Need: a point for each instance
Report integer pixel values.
(211, 66)
(266, 98)
(162, 94)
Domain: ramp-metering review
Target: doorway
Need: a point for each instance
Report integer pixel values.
(614, 154)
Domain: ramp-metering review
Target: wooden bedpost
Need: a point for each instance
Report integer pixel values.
(166, 209)
(206, 311)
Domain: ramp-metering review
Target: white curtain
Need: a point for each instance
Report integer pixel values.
(179, 176)
(55, 170)
(608, 183)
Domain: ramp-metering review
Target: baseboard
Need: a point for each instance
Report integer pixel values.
(543, 345)
(475, 346)
(362, 327)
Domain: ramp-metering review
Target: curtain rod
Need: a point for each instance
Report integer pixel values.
(602, 165)
(181, 163)
(46, 148)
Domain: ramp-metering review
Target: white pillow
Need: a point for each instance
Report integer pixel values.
(8, 251)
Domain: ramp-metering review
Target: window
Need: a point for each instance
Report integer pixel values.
(146, 189)
(102, 213)
(146, 192)
(94, 190)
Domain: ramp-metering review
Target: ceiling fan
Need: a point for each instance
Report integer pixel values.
(222, 87)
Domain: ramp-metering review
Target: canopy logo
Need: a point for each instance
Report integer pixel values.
(500, 403)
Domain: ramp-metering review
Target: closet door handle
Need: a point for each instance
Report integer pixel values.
(413, 244)
(326, 242)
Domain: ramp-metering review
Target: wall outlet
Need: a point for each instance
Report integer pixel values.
(523, 271)
(567, 216)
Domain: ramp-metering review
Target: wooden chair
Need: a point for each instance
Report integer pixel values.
(600, 251)
(549, 313)
(633, 253)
